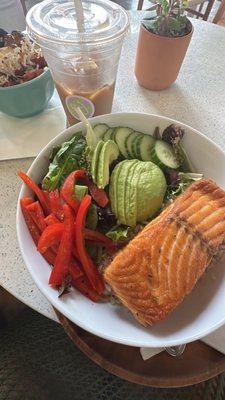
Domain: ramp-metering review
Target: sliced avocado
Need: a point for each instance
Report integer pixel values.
(121, 190)
(113, 187)
(80, 191)
(151, 190)
(136, 191)
(108, 153)
(94, 161)
(131, 195)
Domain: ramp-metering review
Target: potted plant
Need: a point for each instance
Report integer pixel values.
(163, 41)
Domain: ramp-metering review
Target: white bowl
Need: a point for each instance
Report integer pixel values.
(201, 312)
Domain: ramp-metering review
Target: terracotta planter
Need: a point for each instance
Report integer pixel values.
(159, 59)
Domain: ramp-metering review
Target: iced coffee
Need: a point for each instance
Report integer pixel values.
(83, 64)
(92, 102)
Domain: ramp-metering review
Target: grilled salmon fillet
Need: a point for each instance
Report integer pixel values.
(162, 264)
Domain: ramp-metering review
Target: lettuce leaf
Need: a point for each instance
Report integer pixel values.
(122, 233)
(118, 233)
(64, 160)
(185, 179)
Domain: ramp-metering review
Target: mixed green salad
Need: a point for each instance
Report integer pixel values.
(100, 190)
(140, 174)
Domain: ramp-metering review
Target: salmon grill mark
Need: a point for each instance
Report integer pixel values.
(197, 234)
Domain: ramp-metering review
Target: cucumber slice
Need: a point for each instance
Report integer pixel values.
(100, 129)
(107, 134)
(121, 134)
(128, 144)
(137, 146)
(163, 155)
(145, 146)
(112, 134)
(134, 145)
(128, 140)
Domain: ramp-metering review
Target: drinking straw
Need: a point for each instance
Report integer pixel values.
(81, 29)
(79, 15)
(90, 134)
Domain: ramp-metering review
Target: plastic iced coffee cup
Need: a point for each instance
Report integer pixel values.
(83, 62)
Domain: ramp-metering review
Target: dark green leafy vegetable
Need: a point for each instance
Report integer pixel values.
(54, 152)
(106, 218)
(64, 160)
(172, 177)
(173, 135)
(85, 160)
(92, 217)
(118, 233)
(96, 253)
(183, 181)
(122, 233)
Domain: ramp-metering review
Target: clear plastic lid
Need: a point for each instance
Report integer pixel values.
(52, 23)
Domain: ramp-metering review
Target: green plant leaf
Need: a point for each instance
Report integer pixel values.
(174, 24)
(151, 25)
(168, 19)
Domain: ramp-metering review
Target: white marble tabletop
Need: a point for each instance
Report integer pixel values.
(197, 98)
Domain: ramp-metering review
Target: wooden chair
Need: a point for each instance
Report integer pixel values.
(196, 8)
(220, 15)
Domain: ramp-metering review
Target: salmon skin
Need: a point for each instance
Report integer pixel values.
(162, 264)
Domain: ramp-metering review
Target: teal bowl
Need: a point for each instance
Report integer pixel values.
(29, 98)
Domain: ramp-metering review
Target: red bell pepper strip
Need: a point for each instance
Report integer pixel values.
(90, 270)
(34, 231)
(46, 196)
(25, 201)
(50, 236)
(75, 270)
(63, 257)
(99, 195)
(49, 256)
(32, 227)
(67, 191)
(55, 204)
(37, 215)
(51, 219)
(98, 237)
(53, 233)
(55, 236)
(74, 252)
(85, 288)
(33, 186)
